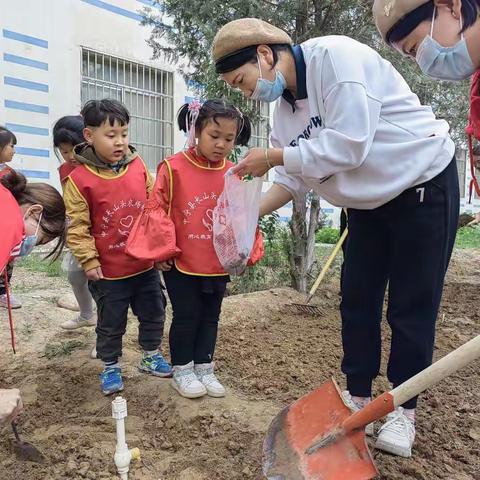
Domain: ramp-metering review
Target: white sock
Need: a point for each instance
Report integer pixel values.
(361, 401)
(410, 414)
(149, 353)
(111, 365)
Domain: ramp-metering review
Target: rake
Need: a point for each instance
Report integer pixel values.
(314, 309)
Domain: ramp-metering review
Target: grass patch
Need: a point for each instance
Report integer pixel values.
(62, 349)
(37, 263)
(468, 237)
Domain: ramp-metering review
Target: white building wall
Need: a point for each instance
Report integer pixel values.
(41, 42)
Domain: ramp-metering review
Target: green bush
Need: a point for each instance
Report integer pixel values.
(327, 235)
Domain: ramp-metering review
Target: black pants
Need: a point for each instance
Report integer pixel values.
(9, 270)
(113, 297)
(343, 226)
(196, 312)
(407, 244)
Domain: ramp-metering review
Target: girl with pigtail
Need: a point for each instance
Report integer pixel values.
(187, 188)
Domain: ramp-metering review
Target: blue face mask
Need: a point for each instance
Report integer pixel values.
(444, 63)
(267, 90)
(30, 241)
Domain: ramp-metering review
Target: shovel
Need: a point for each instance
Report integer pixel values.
(25, 450)
(318, 438)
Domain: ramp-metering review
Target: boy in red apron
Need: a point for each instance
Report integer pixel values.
(104, 196)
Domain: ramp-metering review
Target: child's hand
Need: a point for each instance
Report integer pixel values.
(164, 266)
(94, 274)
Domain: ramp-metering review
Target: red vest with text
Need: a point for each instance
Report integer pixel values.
(114, 203)
(195, 190)
(64, 170)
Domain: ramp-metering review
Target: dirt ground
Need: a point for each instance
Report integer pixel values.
(265, 357)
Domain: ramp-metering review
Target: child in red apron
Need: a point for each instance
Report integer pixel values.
(187, 188)
(7, 150)
(104, 196)
(67, 133)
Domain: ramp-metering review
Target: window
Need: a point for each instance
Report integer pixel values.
(147, 93)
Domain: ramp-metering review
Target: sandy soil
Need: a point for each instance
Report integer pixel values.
(266, 356)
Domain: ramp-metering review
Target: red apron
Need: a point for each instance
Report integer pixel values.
(114, 203)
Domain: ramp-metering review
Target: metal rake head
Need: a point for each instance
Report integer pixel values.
(304, 308)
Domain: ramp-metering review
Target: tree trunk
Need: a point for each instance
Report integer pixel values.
(302, 242)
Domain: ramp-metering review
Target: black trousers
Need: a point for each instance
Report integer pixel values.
(343, 226)
(407, 244)
(196, 311)
(113, 297)
(9, 270)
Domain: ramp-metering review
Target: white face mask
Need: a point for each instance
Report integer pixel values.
(444, 63)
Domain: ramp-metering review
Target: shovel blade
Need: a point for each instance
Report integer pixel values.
(26, 451)
(306, 421)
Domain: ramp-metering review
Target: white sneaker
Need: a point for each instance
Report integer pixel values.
(14, 303)
(79, 322)
(355, 407)
(397, 434)
(204, 372)
(186, 383)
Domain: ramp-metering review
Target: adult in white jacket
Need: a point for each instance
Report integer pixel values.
(347, 126)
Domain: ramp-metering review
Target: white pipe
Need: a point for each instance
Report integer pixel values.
(123, 456)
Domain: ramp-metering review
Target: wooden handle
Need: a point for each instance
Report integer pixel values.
(325, 268)
(441, 369)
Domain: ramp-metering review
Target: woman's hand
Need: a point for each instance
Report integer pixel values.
(10, 405)
(164, 266)
(258, 161)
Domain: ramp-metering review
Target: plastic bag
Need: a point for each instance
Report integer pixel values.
(235, 220)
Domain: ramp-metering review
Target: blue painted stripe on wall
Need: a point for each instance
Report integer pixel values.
(33, 152)
(34, 173)
(27, 107)
(8, 57)
(15, 127)
(114, 9)
(18, 82)
(20, 37)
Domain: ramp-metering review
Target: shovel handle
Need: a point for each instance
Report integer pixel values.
(388, 401)
(441, 369)
(325, 268)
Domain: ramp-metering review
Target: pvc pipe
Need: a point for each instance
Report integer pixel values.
(123, 456)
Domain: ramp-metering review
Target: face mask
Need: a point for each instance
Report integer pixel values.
(444, 63)
(266, 90)
(30, 241)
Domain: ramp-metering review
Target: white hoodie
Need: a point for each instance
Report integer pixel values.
(361, 137)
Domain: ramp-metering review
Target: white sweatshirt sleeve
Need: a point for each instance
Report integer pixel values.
(350, 122)
(292, 183)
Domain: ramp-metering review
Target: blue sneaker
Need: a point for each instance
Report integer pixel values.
(111, 379)
(155, 365)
